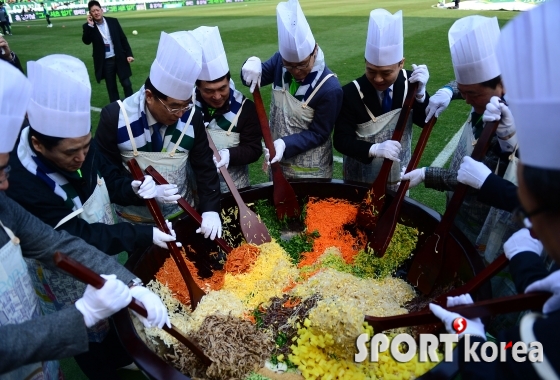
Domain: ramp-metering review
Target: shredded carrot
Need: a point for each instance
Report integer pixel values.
(250, 318)
(241, 259)
(292, 303)
(289, 287)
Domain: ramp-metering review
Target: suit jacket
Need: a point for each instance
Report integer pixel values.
(120, 43)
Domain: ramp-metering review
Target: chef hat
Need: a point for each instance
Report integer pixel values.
(528, 53)
(384, 44)
(214, 61)
(472, 41)
(295, 39)
(177, 65)
(15, 92)
(60, 96)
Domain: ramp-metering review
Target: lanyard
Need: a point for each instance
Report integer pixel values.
(105, 27)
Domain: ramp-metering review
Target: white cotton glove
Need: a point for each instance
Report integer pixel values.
(474, 326)
(145, 189)
(550, 283)
(224, 159)
(251, 72)
(211, 225)
(160, 238)
(167, 193)
(387, 149)
(522, 241)
(438, 103)
(157, 312)
(279, 147)
(472, 173)
(98, 304)
(421, 75)
(496, 110)
(415, 177)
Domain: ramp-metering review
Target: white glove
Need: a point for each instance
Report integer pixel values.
(99, 304)
(472, 172)
(224, 159)
(474, 326)
(438, 103)
(251, 72)
(266, 155)
(279, 147)
(211, 225)
(167, 193)
(522, 241)
(387, 149)
(496, 110)
(550, 283)
(157, 312)
(160, 238)
(145, 189)
(420, 75)
(415, 177)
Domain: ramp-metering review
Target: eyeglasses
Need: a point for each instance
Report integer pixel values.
(176, 110)
(300, 67)
(521, 217)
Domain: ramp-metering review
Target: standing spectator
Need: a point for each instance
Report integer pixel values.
(8, 55)
(47, 15)
(111, 52)
(5, 20)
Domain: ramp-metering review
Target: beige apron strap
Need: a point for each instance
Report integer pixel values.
(69, 216)
(234, 121)
(373, 118)
(304, 104)
(405, 86)
(193, 109)
(127, 122)
(11, 235)
(544, 369)
(512, 155)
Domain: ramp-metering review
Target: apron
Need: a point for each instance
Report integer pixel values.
(173, 166)
(57, 290)
(289, 116)
(18, 304)
(228, 139)
(378, 130)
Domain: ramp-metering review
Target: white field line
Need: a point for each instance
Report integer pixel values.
(444, 155)
(95, 109)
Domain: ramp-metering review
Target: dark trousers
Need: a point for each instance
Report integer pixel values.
(6, 26)
(110, 75)
(48, 19)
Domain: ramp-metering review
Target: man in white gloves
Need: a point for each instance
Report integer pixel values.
(306, 96)
(230, 118)
(29, 338)
(372, 104)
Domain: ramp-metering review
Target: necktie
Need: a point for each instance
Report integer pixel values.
(157, 141)
(387, 101)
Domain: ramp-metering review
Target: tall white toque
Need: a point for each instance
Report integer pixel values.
(529, 53)
(295, 40)
(15, 93)
(384, 43)
(472, 41)
(214, 61)
(177, 65)
(60, 96)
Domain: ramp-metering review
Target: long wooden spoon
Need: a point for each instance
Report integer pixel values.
(252, 228)
(86, 275)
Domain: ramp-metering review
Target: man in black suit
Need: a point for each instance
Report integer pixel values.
(111, 52)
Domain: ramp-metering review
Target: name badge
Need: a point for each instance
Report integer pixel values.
(107, 48)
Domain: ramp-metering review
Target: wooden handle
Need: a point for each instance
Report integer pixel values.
(86, 275)
(263, 120)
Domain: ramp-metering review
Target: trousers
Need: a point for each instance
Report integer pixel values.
(110, 74)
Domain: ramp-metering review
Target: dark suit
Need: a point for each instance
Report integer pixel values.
(108, 69)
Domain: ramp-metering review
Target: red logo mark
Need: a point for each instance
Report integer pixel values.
(508, 345)
(459, 325)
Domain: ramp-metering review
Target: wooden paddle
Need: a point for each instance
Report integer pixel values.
(252, 228)
(373, 202)
(86, 275)
(381, 236)
(519, 302)
(195, 293)
(427, 264)
(158, 178)
(283, 195)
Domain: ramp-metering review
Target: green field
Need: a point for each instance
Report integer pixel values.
(250, 29)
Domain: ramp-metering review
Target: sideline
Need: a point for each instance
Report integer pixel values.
(444, 155)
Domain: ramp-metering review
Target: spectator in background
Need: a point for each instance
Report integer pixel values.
(5, 20)
(8, 55)
(47, 15)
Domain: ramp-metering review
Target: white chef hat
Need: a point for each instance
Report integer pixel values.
(214, 61)
(15, 92)
(528, 53)
(177, 64)
(472, 41)
(60, 96)
(295, 40)
(384, 44)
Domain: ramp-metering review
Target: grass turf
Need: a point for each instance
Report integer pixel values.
(250, 29)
